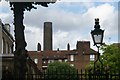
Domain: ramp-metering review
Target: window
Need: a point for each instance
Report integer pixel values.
(72, 64)
(10, 49)
(66, 60)
(71, 57)
(2, 46)
(6, 48)
(50, 61)
(60, 60)
(92, 57)
(36, 60)
(44, 61)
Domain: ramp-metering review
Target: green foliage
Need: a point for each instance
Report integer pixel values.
(90, 65)
(111, 56)
(61, 71)
(26, 5)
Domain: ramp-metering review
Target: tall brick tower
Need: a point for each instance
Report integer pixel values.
(47, 36)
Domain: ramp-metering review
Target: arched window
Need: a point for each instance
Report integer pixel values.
(10, 48)
(2, 46)
(7, 48)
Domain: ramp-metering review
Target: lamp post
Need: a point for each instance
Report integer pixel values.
(97, 36)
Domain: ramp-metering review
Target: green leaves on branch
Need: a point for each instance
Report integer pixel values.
(61, 71)
(111, 56)
(28, 5)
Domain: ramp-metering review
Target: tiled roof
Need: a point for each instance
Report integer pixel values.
(59, 54)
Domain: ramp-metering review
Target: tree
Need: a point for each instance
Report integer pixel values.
(20, 55)
(61, 71)
(111, 56)
(18, 11)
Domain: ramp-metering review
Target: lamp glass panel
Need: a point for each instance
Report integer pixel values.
(97, 38)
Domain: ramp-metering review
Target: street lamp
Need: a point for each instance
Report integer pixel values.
(97, 36)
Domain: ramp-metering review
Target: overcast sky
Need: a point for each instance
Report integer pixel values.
(72, 22)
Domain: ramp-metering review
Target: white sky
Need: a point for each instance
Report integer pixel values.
(72, 22)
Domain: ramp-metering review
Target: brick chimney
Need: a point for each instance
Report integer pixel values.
(83, 45)
(68, 46)
(7, 27)
(38, 47)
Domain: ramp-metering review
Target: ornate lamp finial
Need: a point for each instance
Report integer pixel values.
(97, 26)
(96, 19)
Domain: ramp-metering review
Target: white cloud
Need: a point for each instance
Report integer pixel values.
(33, 37)
(68, 26)
(61, 39)
(5, 13)
(107, 14)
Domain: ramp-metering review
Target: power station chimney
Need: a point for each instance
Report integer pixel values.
(47, 36)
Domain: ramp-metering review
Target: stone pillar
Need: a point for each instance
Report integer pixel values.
(47, 36)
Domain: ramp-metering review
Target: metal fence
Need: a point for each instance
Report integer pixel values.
(67, 75)
(78, 75)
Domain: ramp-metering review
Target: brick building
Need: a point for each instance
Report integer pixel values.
(78, 57)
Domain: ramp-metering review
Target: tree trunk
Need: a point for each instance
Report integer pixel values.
(20, 44)
(19, 27)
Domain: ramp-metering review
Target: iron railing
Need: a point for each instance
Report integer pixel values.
(78, 75)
